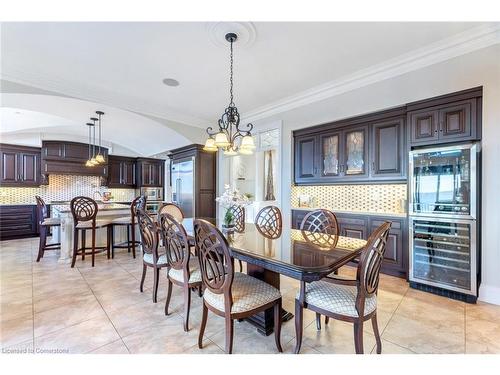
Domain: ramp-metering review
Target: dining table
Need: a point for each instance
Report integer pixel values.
(298, 254)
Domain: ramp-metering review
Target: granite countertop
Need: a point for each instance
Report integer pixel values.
(391, 214)
(63, 208)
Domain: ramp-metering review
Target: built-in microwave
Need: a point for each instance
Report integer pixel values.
(152, 193)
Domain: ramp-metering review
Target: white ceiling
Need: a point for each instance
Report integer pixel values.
(124, 63)
(119, 67)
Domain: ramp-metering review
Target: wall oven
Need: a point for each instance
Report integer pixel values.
(154, 198)
(444, 214)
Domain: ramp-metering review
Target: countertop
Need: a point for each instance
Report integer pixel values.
(390, 214)
(64, 208)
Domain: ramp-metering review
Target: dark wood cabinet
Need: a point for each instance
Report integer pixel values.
(361, 226)
(449, 118)
(18, 221)
(61, 157)
(306, 150)
(150, 172)
(122, 172)
(20, 166)
(204, 175)
(388, 154)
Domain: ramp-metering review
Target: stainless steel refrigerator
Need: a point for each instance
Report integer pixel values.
(183, 185)
(444, 210)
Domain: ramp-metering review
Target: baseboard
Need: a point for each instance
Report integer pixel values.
(489, 294)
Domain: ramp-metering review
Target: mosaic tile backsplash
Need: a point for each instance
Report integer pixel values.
(63, 188)
(363, 198)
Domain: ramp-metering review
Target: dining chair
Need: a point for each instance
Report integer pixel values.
(45, 224)
(183, 268)
(172, 209)
(84, 211)
(129, 222)
(352, 301)
(269, 222)
(239, 217)
(229, 294)
(152, 257)
(320, 221)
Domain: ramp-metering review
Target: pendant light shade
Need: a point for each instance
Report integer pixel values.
(230, 152)
(210, 145)
(247, 142)
(221, 140)
(100, 157)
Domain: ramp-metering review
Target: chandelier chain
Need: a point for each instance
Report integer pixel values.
(231, 103)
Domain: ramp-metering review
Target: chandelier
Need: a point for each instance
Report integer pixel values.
(230, 137)
(95, 159)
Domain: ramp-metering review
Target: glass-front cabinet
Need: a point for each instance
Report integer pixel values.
(443, 181)
(444, 253)
(355, 152)
(330, 154)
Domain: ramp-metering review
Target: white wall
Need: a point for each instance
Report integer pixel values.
(480, 68)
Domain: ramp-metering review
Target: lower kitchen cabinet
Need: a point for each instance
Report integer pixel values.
(361, 226)
(18, 221)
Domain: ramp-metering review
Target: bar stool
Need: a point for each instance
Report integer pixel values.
(84, 211)
(129, 222)
(45, 223)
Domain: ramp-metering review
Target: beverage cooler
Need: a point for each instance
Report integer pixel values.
(444, 220)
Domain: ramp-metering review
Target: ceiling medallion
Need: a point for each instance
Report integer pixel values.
(230, 137)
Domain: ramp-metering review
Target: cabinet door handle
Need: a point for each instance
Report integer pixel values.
(373, 166)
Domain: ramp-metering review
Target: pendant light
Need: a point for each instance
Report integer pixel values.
(89, 162)
(93, 160)
(230, 137)
(100, 158)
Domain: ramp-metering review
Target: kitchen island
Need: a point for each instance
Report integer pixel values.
(65, 234)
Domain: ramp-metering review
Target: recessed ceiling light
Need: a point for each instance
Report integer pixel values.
(171, 82)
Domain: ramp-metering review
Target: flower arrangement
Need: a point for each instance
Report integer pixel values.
(230, 198)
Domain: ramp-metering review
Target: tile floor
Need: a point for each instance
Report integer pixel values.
(48, 307)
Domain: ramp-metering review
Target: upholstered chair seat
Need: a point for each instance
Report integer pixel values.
(51, 221)
(162, 259)
(88, 224)
(194, 272)
(337, 299)
(248, 293)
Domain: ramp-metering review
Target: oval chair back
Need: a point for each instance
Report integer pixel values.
(320, 221)
(139, 203)
(269, 222)
(41, 208)
(149, 234)
(239, 217)
(216, 262)
(83, 209)
(368, 272)
(176, 243)
(172, 209)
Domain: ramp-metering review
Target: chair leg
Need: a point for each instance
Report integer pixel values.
(327, 319)
(229, 334)
(203, 325)
(93, 247)
(112, 233)
(133, 240)
(84, 243)
(358, 337)
(200, 293)
(318, 321)
(277, 325)
(187, 307)
(144, 268)
(128, 238)
(43, 240)
(109, 228)
(241, 265)
(299, 325)
(155, 283)
(377, 334)
(75, 247)
(169, 295)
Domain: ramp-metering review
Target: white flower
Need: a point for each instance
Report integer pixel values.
(232, 197)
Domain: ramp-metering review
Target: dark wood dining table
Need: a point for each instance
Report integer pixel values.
(303, 256)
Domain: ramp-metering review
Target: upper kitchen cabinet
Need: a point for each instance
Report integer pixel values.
(150, 172)
(366, 148)
(60, 157)
(387, 149)
(20, 166)
(449, 118)
(122, 172)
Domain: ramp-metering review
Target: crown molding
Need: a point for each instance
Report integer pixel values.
(95, 94)
(457, 45)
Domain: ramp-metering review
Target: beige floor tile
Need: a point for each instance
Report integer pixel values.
(390, 348)
(16, 309)
(426, 336)
(79, 338)
(336, 337)
(67, 315)
(116, 347)
(121, 298)
(21, 348)
(482, 336)
(482, 310)
(16, 331)
(47, 301)
(209, 347)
